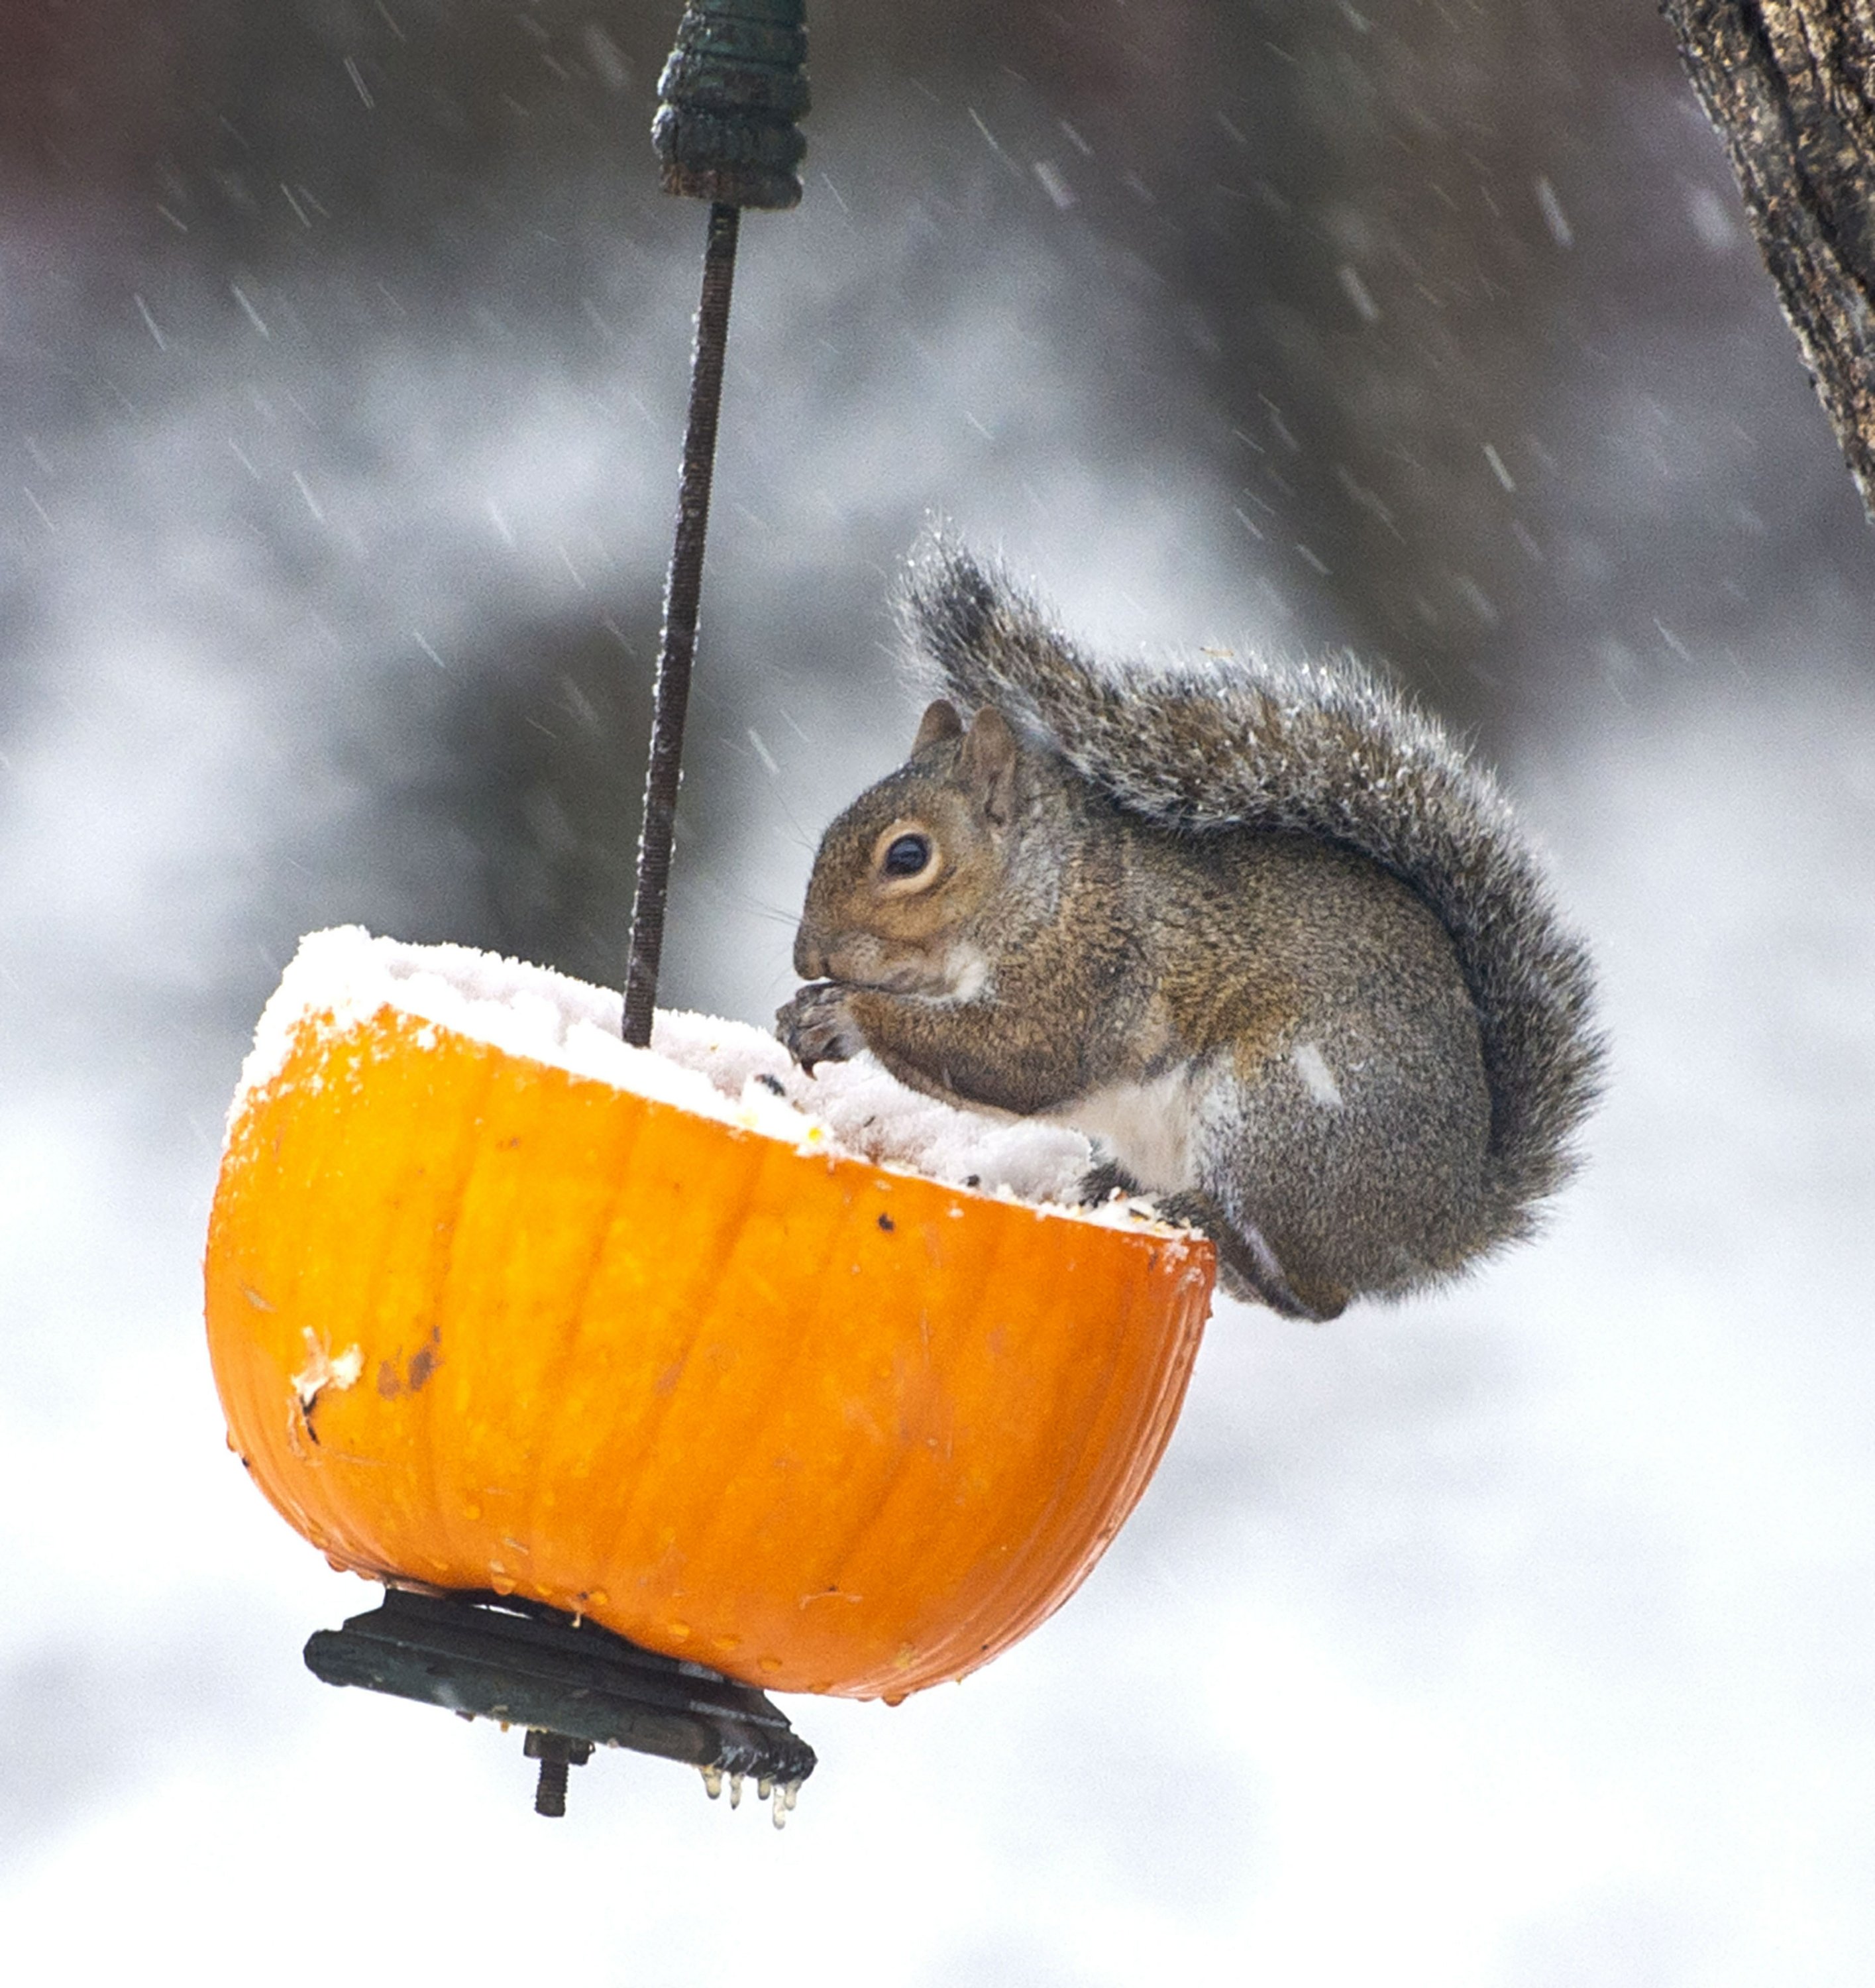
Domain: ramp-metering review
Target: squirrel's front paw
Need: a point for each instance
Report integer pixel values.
(817, 1026)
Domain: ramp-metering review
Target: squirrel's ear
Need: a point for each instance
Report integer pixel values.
(987, 764)
(940, 722)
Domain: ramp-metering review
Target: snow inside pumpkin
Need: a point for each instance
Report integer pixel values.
(811, 1381)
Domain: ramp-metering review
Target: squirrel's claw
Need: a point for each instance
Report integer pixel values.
(1101, 1182)
(817, 1026)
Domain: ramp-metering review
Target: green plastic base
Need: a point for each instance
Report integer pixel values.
(572, 1684)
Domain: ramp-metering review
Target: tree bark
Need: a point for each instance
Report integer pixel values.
(1790, 85)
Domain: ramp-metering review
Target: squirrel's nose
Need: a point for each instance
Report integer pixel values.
(810, 958)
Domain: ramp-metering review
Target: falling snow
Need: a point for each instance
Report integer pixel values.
(1514, 1639)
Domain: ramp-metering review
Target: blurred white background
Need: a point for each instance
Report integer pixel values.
(1517, 1638)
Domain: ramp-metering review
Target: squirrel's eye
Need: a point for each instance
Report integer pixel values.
(907, 856)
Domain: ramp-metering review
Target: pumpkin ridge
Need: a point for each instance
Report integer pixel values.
(508, 1253)
(686, 1299)
(1049, 1563)
(961, 1539)
(900, 1482)
(1157, 1408)
(250, 1408)
(318, 1155)
(1076, 1475)
(806, 1341)
(345, 1147)
(577, 1332)
(1109, 1470)
(428, 1467)
(961, 1648)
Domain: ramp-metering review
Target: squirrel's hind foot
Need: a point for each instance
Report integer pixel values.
(1248, 1268)
(1102, 1183)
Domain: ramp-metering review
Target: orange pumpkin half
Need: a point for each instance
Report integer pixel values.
(482, 1320)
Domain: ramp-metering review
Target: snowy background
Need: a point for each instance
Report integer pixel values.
(1521, 1638)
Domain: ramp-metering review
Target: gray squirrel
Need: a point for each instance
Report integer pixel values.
(1260, 928)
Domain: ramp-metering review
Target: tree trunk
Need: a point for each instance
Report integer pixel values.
(1790, 85)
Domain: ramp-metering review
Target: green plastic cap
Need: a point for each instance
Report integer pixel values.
(728, 100)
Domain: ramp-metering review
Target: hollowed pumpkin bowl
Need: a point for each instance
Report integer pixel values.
(489, 1305)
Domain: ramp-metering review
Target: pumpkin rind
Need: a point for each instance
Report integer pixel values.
(480, 1322)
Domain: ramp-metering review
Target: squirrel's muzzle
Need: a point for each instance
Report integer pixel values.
(810, 958)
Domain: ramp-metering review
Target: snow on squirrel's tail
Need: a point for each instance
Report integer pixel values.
(1324, 748)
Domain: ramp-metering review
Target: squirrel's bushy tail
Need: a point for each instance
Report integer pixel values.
(1322, 748)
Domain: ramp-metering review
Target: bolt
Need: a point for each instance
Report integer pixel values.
(555, 1752)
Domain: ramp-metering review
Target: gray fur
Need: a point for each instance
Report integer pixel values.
(1325, 749)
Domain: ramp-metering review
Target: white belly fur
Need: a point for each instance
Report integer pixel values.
(1148, 1126)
